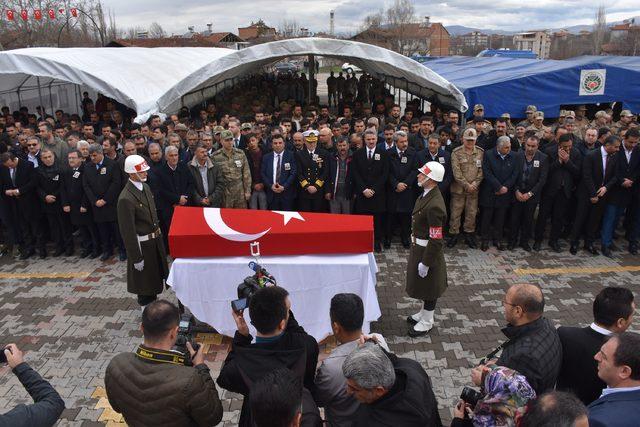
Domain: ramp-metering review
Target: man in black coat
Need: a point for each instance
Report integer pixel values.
(312, 165)
(392, 391)
(280, 342)
(19, 181)
(564, 174)
(598, 178)
(490, 141)
(612, 314)
(76, 205)
(532, 168)
(624, 192)
(370, 169)
(434, 152)
(533, 347)
(101, 182)
(496, 191)
(401, 195)
(174, 186)
(339, 190)
(49, 187)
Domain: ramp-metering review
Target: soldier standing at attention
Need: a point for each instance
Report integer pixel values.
(236, 173)
(140, 230)
(466, 163)
(426, 269)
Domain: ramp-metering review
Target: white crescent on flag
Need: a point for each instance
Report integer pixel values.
(214, 220)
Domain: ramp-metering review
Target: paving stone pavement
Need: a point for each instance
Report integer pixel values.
(73, 315)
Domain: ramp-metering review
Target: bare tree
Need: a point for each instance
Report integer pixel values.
(599, 29)
(374, 20)
(400, 16)
(156, 31)
(289, 28)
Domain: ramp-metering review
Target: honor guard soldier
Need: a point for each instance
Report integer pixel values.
(236, 172)
(466, 163)
(140, 229)
(313, 172)
(426, 269)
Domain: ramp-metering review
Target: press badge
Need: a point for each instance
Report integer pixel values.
(376, 156)
(55, 178)
(536, 163)
(287, 166)
(103, 171)
(479, 163)
(441, 160)
(76, 174)
(403, 160)
(238, 164)
(315, 157)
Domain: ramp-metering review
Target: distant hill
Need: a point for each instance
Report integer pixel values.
(458, 30)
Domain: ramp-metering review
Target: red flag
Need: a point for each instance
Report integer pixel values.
(52, 14)
(24, 14)
(37, 14)
(213, 232)
(74, 12)
(10, 15)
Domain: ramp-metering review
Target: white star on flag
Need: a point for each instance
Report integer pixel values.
(287, 216)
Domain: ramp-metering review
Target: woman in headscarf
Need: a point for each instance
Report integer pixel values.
(505, 394)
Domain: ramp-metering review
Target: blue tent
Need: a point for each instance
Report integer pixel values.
(508, 85)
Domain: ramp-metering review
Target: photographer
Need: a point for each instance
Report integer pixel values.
(504, 394)
(280, 342)
(153, 385)
(48, 404)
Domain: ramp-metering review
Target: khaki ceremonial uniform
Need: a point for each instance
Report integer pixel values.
(140, 231)
(237, 177)
(467, 169)
(539, 130)
(486, 126)
(427, 247)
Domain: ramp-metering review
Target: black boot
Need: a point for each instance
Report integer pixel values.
(470, 240)
(453, 240)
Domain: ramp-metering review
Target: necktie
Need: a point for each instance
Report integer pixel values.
(606, 168)
(278, 169)
(369, 154)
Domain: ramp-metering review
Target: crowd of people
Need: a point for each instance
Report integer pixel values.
(61, 174)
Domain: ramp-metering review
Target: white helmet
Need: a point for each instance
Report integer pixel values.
(433, 170)
(135, 164)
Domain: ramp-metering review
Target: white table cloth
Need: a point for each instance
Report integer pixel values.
(208, 285)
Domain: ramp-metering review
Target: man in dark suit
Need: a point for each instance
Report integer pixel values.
(18, 178)
(76, 205)
(370, 168)
(622, 193)
(401, 196)
(613, 311)
(175, 187)
(434, 152)
(339, 191)
(102, 184)
(313, 171)
(532, 168)
(598, 178)
(279, 175)
(618, 366)
(496, 191)
(564, 173)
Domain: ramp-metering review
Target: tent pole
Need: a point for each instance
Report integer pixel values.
(312, 75)
(40, 96)
(51, 96)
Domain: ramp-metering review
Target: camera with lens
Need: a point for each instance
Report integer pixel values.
(185, 335)
(250, 285)
(470, 396)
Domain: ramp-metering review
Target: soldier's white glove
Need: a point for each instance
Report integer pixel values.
(423, 270)
(139, 265)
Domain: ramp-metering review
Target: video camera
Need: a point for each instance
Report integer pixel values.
(185, 335)
(250, 285)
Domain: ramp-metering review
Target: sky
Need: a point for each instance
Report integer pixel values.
(175, 16)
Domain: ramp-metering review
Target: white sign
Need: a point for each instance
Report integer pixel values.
(592, 82)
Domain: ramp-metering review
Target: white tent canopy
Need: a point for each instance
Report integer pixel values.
(136, 77)
(151, 80)
(395, 69)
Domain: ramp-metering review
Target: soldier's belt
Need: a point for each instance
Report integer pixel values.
(147, 237)
(419, 242)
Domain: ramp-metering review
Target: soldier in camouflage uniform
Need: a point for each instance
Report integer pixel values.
(235, 169)
(625, 120)
(538, 127)
(466, 162)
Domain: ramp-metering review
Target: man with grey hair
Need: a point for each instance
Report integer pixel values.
(391, 390)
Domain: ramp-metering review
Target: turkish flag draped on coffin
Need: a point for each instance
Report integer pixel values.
(214, 232)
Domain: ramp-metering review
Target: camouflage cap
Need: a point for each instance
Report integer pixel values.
(531, 109)
(226, 134)
(539, 115)
(570, 113)
(600, 113)
(506, 116)
(626, 113)
(563, 113)
(478, 107)
(217, 130)
(246, 126)
(470, 134)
